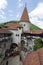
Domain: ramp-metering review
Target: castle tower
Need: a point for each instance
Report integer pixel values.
(25, 20)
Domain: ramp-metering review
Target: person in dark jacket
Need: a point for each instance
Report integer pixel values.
(7, 63)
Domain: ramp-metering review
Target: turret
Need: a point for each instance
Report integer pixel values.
(25, 20)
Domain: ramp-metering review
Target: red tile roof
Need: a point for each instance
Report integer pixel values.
(3, 31)
(24, 16)
(13, 26)
(34, 32)
(35, 58)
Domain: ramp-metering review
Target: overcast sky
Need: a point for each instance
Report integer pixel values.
(12, 10)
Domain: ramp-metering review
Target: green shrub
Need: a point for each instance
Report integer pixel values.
(38, 44)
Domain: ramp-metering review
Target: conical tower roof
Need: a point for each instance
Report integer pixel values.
(25, 16)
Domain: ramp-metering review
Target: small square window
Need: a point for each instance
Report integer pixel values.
(19, 28)
(24, 24)
(17, 34)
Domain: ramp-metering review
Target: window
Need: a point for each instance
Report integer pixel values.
(24, 24)
(17, 34)
(19, 28)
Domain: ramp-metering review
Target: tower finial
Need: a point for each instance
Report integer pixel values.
(25, 3)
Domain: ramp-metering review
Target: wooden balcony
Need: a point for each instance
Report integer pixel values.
(5, 38)
(1, 39)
